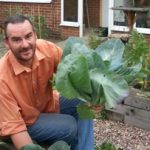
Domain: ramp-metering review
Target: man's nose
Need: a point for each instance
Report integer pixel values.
(25, 43)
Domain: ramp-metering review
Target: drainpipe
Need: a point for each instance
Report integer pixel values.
(80, 17)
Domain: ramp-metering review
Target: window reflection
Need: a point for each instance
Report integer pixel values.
(119, 17)
(142, 18)
(71, 10)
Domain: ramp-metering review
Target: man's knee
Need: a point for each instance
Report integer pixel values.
(69, 128)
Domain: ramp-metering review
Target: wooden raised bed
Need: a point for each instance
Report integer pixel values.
(135, 110)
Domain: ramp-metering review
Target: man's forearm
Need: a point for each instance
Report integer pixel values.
(20, 139)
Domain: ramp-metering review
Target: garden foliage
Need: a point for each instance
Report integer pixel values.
(136, 49)
(59, 145)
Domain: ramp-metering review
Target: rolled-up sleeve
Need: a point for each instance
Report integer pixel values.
(11, 121)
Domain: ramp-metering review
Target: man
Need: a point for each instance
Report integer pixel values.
(29, 108)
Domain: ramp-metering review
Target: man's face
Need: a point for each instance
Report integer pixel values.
(21, 40)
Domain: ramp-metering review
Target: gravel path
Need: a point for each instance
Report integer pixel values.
(121, 135)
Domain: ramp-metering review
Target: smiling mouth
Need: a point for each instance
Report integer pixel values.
(26, 52)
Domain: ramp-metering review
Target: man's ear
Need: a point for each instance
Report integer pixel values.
(6, 43)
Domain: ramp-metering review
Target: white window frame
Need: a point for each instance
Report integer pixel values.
(69, 23)
(122, 28)
(28, 1)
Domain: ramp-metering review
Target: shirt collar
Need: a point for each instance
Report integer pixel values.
(19, 68)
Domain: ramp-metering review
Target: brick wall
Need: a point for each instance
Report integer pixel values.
(92, 13)
(69, 31)
(52, 13)
(49, 11)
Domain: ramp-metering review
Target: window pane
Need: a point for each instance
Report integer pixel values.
(142, 18)
(71, 10)
(119, 17)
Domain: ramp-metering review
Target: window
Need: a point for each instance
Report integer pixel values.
(28, 1)
(119, 16)
(119, 22)
(71, 10)
(70, 13)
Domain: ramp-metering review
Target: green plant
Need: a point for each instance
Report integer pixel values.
(103, 115)
(5, 146)
(40, 25)
(12, 11)
(96, 77)
(38, 20)
(59, 145)
(106, 146)
(93, 40)
(136, 49)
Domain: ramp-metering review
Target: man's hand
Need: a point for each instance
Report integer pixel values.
(97, 108)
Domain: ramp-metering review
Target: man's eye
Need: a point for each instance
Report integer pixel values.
(28, 36)
(16, 40)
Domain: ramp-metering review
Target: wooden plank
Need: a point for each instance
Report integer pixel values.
(137, 122)
(130, 115)
(136, 112)
(130, 111)
(136, 100)
(118, 109)
(124, 36)
(115, 116)
(134, 9)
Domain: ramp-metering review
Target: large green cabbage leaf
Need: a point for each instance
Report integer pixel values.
(93, 59)
(111, 51)
(72, 78)
(59, 145)
(69, 44)
(115, 88)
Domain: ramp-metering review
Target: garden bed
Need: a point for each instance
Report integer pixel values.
(134, 111)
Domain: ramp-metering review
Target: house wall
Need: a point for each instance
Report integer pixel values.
(52, 14)
(49, 11)
(69, 31)
(92, 13)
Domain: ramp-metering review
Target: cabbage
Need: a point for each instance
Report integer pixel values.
(96, 77)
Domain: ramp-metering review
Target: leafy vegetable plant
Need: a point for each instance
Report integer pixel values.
(59, 145)
(96, 77)
(107, 146)
(136, 49)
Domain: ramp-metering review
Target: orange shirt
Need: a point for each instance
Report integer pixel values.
(25, 92)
